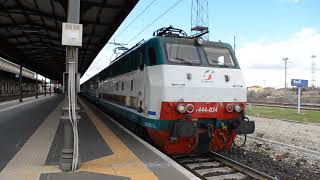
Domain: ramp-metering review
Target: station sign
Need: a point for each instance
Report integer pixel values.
(299, 82)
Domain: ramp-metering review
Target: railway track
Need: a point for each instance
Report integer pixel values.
(291, 106)
(214, 166)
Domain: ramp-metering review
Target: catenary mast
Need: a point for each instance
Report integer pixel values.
(199, 17)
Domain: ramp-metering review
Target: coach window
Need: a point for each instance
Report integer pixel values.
(131, 85)
(122, 86)
(152, 56)
(117, 86)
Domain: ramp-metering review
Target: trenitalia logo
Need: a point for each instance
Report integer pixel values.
(208, 76)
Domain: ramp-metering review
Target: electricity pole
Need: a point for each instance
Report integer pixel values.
(313, 71)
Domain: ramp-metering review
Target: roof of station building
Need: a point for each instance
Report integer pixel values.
(30, 31)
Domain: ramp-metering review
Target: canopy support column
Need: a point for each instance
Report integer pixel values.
(37, 85)
(45, 86)
(69, 158)
(20, 84)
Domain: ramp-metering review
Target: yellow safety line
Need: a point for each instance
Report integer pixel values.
(123, 162)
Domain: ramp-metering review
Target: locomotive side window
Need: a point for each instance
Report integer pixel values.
(141, 60)
(219, 57)
(152, 56)
(141, 55)
(134, 61)
(183, 54)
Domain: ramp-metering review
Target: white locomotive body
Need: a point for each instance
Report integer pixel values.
(186, 95)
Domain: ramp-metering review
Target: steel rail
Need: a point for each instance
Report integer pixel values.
(215, 166)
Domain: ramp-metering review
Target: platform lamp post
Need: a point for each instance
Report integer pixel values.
(20, 84)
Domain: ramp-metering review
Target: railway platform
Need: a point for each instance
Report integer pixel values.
(11, 104)
(31, 137)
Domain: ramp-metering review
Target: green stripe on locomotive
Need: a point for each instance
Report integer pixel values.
(130, 60)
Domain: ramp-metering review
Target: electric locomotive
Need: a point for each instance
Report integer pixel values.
(187, 94)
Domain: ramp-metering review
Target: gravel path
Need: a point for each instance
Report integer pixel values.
(298, 134)
(281, 161)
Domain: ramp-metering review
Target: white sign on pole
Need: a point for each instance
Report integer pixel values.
(71, 34)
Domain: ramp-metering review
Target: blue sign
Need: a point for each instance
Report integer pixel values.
(299, 82)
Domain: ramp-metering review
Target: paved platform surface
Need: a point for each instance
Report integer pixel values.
(31, 139)
(11, 104)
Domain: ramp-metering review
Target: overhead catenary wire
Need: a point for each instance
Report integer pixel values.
(130, 23)
(155, 20)
(134, 19)
(164, 13)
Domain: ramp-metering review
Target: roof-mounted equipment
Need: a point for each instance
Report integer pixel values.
(170, 32)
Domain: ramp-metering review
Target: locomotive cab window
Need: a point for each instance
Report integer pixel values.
(219, 57)
(182, 54)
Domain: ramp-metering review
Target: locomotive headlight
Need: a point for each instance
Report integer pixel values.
(237, 108)
(181, 108)
(199, 40)
(229, 108)
(190, 108)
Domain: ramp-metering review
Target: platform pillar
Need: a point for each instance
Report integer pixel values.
(36, 85)
(45, 86)
(67, 151)
(50, 87)
(67, 154)
(20, 84)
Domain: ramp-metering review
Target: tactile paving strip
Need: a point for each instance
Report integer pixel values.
(123, 162)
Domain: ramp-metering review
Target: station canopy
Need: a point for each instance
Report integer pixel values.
(30, 31)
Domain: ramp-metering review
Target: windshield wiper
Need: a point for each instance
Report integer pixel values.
(183, 60)
(217, 63)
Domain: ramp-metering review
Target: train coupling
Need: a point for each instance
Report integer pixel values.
(183, 128)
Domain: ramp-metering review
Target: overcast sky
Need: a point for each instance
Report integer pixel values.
(266, 31)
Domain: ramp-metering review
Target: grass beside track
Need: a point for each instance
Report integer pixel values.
(284, 113)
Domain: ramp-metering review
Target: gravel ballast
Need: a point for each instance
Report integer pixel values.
(277, 160)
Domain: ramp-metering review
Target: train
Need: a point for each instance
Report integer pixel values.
(185, 93)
